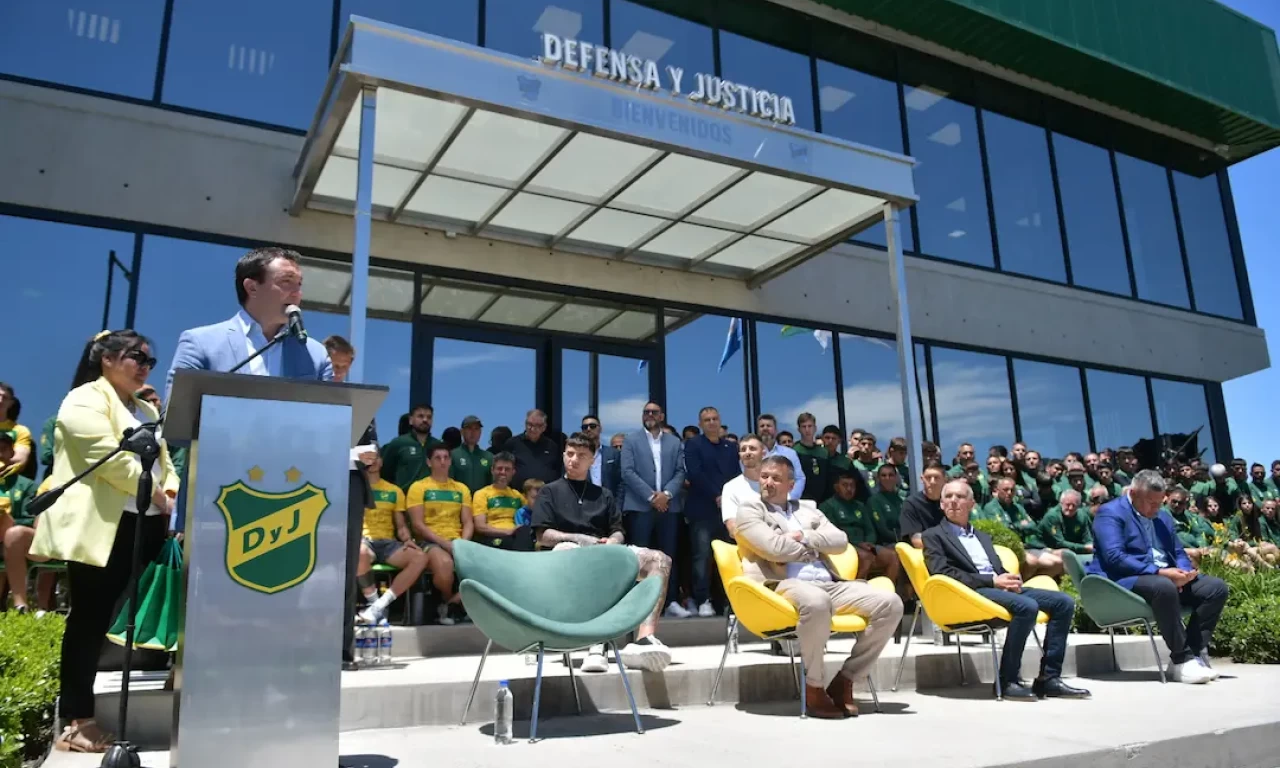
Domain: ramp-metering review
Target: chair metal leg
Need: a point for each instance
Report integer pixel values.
(1154, 650)
(626, 684)
(995, 665)
(1036, 635)
(1115, 663)
(903, 661)
(871, 686)
(475, 683)
(537, 697)
(960, 656)
(796, 678)
(573, 681)
(804, 709)
(715, 686)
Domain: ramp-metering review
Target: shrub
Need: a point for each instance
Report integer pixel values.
(1001, 536)
(1249, 631)
(1081, 621)
(30, 650)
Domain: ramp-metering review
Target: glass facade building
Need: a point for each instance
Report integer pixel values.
(1019, 193)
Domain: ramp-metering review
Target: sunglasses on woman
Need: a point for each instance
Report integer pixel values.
(141, 358)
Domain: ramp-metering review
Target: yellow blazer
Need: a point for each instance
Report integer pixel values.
(81, 525)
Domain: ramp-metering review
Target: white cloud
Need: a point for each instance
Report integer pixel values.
(448, 363)
(621, 415)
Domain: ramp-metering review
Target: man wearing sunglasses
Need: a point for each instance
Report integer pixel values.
(606, 467)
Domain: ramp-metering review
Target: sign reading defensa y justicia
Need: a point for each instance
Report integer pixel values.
(644, 73)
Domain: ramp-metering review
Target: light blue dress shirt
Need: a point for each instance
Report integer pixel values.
(973, 546)
(269, 363)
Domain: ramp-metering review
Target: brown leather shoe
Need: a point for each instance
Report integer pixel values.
(841, 692)
(819, 704)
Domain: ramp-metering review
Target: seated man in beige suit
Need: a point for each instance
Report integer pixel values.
(782, 543)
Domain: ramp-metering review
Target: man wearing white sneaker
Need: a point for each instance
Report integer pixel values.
(574, 512)
(1135, 546)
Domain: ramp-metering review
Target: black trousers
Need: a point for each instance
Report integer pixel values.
(356, 490)
(520, 540)
(94, 594)
(1206, 596)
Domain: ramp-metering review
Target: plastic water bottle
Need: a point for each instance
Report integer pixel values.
(502, 714)
(384, 642)
(368, 642)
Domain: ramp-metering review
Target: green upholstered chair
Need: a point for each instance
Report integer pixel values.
(554, 601)
(1110, 605)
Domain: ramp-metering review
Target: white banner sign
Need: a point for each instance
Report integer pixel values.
(644, 73)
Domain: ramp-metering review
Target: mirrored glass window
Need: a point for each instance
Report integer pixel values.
(1051, 408)
(1153, 237)
(1092, 215)
(105, 45)
(1204, 229)
(259, 61)
(668, 40)
(517, 26)
(1121, 413)
(759, 65)
(952, 212)
(457, 19)
(463, 384)
(624, 389)
(862, 108)
(1022, 192)
(797, 374)
(695, 379)
(1181, 409)
(872, 389)
(971, 392)
(575, 388)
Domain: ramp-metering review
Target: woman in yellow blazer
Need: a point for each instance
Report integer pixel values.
(92, 525)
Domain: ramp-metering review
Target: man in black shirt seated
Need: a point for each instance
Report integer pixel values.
(574, 512)
(953, 548)
(922, 510)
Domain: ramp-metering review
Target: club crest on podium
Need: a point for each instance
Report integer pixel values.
(271, 537)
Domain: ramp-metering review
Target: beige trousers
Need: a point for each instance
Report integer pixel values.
(818, 602)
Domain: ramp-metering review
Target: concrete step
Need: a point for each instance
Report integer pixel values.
(432, 691)
(1132, 721)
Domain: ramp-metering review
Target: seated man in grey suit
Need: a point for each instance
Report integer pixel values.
(783, 542)
(652, 492)
(953, 548)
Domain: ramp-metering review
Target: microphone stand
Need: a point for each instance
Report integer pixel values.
(140, 440)
(280, 336)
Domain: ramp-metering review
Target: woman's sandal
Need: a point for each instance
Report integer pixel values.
(74, 739)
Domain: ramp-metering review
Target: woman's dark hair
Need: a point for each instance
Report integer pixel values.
(1251, 522)
(404, 425)
(105, 344)
(452, 437)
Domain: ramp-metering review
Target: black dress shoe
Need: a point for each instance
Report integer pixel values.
(1016, 691)
(1054, 688)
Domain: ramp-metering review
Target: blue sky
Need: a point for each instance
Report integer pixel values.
(1251, 399)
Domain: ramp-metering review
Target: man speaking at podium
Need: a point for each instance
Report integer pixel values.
(269, 288)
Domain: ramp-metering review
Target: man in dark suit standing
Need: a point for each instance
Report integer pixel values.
(953, 548)
(653, 485)
(606, 465)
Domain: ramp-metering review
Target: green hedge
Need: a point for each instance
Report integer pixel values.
(30, 649)
(1001, 536)
(1249, 631)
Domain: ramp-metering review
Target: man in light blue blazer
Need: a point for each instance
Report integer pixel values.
(653, 491)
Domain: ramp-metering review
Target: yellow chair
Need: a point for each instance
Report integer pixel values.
(958, 610)
(767, 614)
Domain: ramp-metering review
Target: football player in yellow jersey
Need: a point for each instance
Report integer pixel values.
(440, 513)
(387, 540)
(494, 508)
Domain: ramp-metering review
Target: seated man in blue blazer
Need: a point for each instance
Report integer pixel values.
(653, 487)
(1134, 545)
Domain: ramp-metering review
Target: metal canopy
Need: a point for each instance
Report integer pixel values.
(483, 143)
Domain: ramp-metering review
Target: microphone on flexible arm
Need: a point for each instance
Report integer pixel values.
(296, 328)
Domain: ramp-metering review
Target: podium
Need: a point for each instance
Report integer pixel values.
(257, 681)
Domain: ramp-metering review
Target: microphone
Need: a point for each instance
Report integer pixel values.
(295, 322)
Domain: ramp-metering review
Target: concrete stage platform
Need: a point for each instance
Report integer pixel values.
(1132, 722)
(417, 692)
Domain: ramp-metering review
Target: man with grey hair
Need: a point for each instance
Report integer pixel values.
(1067, 526)
(786, 546)
(1136, 546)
(953, 548)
